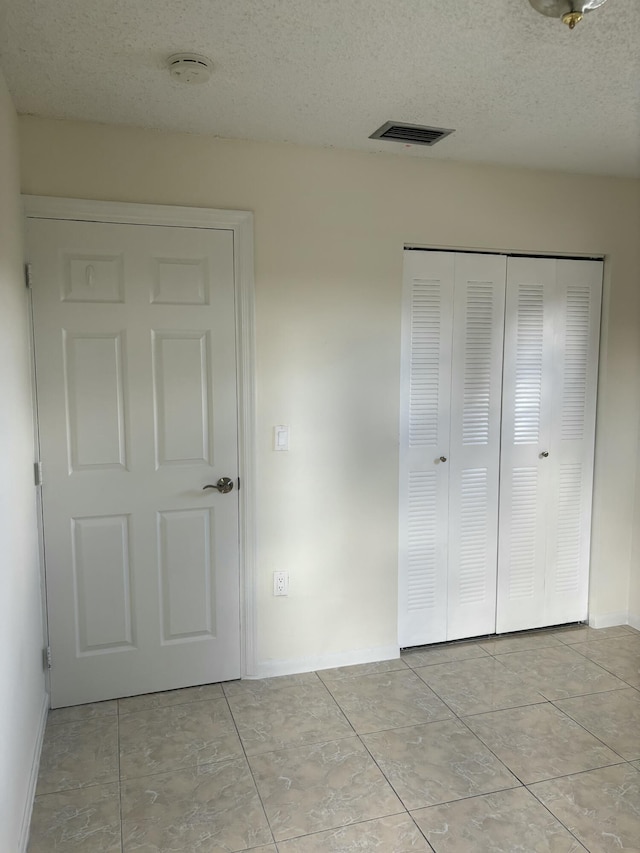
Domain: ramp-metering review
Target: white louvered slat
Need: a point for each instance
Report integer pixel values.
(523, 533)
(576, 361)
(569, 532)
(473, 535)
(422, 541)
(529, 363)
(424, 375)
(479, 375)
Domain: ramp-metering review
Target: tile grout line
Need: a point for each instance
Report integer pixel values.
(578, 773)
(120, 795)
(522, 784)
(92, 784)
(499, 760)
(455, 717)
(331, 740)
(172, 705)
(283, 748)
(550, 778)
(444, 802)
(338, 828)
(513, 773)
(525, 684)
(555, 817)
(248, 763)
(325, 741)
(582, 726)
(545, 701)
(497, 657)
(490, 710)
(627, 683)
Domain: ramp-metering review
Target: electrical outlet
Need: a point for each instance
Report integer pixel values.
(281, 583)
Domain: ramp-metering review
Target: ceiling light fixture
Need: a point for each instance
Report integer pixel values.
(570, 12)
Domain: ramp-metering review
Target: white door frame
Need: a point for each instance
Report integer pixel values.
(240, 222)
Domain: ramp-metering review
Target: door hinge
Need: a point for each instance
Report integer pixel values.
(46, 657)
(37, 473)
(28, 278)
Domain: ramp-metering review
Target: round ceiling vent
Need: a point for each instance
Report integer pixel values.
(189, 67)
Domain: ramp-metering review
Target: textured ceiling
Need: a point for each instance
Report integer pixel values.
(519, 88)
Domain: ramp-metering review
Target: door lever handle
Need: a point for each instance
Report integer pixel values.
(224, 485)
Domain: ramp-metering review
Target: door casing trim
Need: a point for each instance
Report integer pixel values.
(240, 222)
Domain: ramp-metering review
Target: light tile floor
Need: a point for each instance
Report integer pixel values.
(526, 743)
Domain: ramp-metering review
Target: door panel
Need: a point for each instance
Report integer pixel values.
(576, 334)
(135, 354)
(548, 432)
(426, 394)
(185, 559)
(474, 465)
(526, 434)
(94, 394)
(101, 573)
(454, 315)
(181, 395)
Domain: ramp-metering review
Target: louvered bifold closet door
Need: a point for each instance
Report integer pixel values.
(474, 457)
(549, 391)
(526, 433)
(577, 330)
(428, 282)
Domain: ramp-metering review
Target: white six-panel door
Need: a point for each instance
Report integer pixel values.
(136, 375)
(550, 377)
(450, 444)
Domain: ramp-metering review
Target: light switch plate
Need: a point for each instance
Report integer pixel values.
(281, 437)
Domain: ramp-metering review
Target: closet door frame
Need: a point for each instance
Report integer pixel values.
(407, 638)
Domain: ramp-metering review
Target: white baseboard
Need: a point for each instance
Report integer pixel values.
(33, 775)
(609, 620)
(269, 668)
(634, 620)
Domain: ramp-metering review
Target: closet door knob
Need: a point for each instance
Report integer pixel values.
(443, 458)
(544, 454)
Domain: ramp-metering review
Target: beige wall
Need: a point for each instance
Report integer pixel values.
(330, 228)
(22, 693)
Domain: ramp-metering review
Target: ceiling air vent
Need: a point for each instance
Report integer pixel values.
(413, 134)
